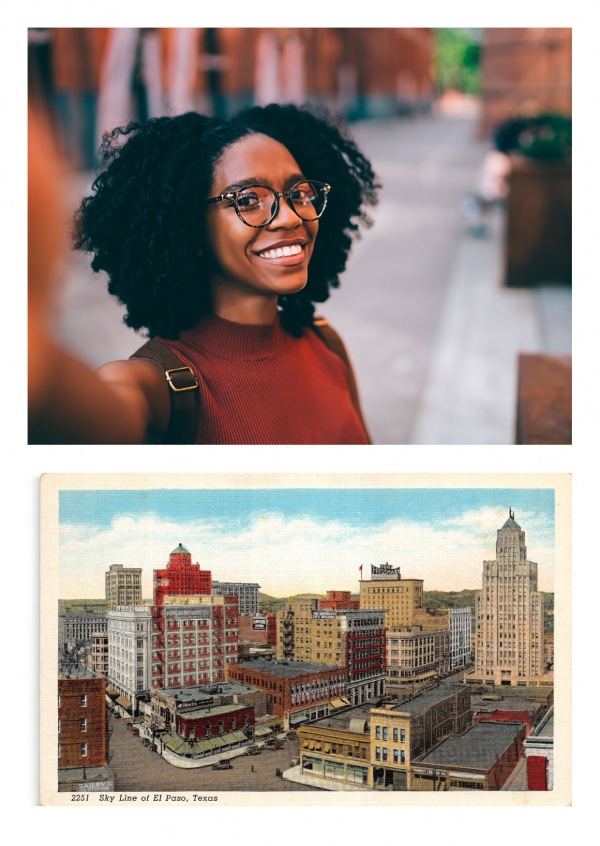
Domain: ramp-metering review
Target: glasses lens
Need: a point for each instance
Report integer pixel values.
(308, 199)
(255, 204)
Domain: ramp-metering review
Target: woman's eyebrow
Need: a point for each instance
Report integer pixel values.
(260, 180)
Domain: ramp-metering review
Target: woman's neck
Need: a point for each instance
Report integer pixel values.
(258, 311)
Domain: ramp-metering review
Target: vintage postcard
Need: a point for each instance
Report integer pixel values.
(305, 639)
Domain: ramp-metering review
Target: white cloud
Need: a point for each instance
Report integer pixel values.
(302, 554)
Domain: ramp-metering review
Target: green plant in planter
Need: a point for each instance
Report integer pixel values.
(546, 137)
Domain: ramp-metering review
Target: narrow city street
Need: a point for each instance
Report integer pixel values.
(136, 768)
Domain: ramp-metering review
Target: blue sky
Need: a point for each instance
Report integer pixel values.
(300, 539)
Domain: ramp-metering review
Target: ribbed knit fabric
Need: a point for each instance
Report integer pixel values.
(259, 385)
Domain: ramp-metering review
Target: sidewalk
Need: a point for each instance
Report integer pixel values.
(470, 394)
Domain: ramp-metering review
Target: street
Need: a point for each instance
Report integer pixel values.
(136, 768)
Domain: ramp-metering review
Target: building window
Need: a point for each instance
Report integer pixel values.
(385, 733)
(378, 753)
(84, 750)
(396, 756)
(378, 732)
(395, 734)
(402, 735)
(83, 726)
(83, 700)
(385, 753)
(402, 756)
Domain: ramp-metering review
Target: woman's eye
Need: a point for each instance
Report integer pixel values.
(247, 201)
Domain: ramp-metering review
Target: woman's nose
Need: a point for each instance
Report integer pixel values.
(285, 216)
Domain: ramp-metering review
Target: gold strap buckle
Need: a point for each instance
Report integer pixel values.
(177, 370)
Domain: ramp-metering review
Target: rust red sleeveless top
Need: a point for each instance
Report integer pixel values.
(260, 385)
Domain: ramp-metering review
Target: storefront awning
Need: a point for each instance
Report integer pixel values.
(111, 691)
(338, 703)
(124, 703)
(239, 736)
(263, 731)
(296, 719)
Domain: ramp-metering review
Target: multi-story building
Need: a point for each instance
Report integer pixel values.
(246, 592)
(510, 615)
(401, 598)
(349, 638)
(339, 600)
(204, 732)
(400, 732)
(460, 637)
(129, 666)
(336, 750)
(123, 586)
(296, 690)
(82, 734)
(480, 759)
(258, 629)
(98, 657)
(76, 628)
(539, 753)
(181, 577)
(166, 704)
(416, 655)
(194, 638)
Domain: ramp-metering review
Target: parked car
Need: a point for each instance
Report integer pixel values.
(135, 730)
(275, 744)
(292, 735)
(222, 765)
(253, 750)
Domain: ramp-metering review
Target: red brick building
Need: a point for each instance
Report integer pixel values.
(296, 690)
(194, 638)
(524, 70)
(181, 577)
(506, 717)
(258, 628)
(339, 600)
(82, 735)
(481, 758)
(215, 721)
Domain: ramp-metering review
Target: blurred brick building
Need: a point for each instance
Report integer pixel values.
(525, 71)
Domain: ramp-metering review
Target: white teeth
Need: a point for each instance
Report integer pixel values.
(282, 251)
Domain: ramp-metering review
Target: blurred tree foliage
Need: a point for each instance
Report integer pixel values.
(457, 57)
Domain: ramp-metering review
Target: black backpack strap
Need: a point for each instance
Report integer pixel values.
(333, 341)
(182, 381)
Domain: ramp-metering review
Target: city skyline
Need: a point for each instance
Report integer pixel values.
(296, 540)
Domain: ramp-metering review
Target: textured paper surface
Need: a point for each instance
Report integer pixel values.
(52, 484)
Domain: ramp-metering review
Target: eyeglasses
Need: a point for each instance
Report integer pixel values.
(257, 205)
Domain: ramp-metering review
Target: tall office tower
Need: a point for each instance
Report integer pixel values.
(181, 578)
(510, 614)
(123, 586)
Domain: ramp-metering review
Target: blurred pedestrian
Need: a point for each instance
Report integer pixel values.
(208, 230)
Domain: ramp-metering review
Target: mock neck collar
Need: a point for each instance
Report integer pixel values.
(235, 341)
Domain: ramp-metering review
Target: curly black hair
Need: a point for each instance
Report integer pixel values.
(145, 221)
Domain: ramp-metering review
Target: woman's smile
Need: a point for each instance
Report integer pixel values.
(285, 253)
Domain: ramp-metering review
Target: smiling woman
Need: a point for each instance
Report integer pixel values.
(219, 237)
